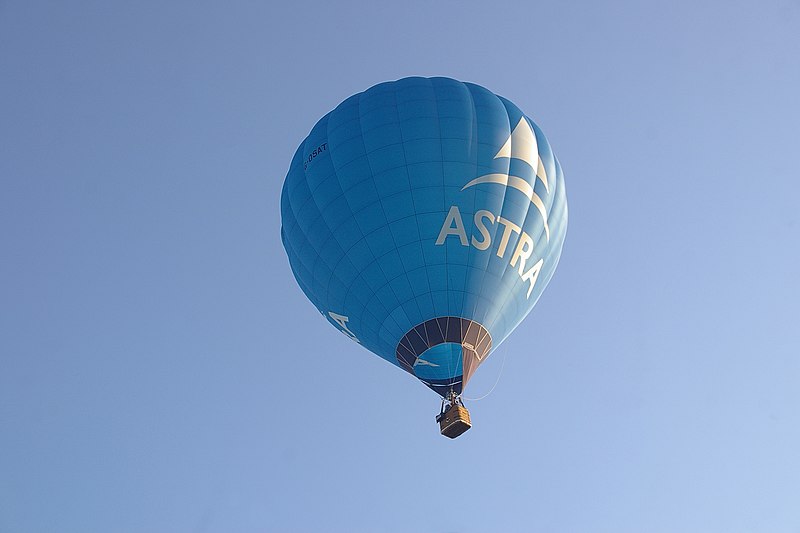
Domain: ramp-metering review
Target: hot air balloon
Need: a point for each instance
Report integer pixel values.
(423, 218)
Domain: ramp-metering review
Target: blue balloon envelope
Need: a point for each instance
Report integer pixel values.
(423, 218)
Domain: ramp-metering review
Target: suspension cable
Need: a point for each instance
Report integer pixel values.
(499, 374)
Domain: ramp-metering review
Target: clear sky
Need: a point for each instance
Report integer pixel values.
(161, 371)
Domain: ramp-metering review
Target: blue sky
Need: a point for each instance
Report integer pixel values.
(160, 370)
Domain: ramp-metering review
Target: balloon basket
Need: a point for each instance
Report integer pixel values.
(454, 421)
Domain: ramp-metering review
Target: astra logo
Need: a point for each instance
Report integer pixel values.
(342, 321)
(522, 145)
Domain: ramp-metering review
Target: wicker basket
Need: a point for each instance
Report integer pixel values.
(454, 421)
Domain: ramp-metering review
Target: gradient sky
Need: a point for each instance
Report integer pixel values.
(161, 371)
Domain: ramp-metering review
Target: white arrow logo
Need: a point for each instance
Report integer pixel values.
(522, 145)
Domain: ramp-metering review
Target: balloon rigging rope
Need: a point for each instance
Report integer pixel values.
(499, 375)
